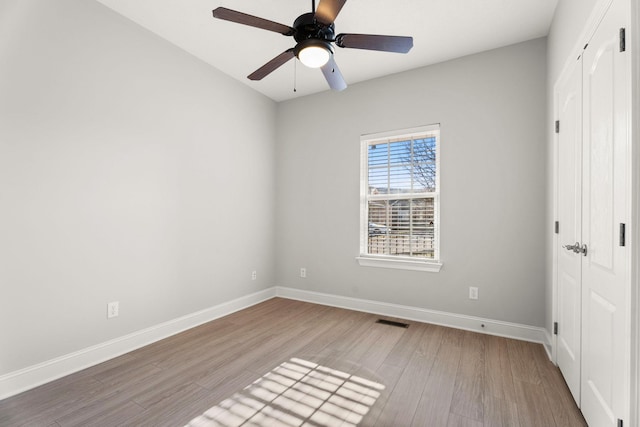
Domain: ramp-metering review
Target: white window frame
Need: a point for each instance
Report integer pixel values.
(395, 261)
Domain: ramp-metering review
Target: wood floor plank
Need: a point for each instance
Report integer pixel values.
(430, 375)
(468, 392)
(43, 404)
(343, 323)
(563, 407)
(176, 409)
(523, 367)
(434, 407)
(402, 403)
(374, 346)
(115, 412)
(388, 376)
(533, 407)
(406, 345)
(500, 412)
(456, 420)
(498, 376)
(178, 345)
(138, 370)
(343, 343)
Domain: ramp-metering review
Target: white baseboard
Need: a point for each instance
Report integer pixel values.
(33, 376)
(548, 345)
(458, 321)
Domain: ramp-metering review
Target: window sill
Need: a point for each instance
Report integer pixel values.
(399, 263)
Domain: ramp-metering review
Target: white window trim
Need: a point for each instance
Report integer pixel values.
(396, 262)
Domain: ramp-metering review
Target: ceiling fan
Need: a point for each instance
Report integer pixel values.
(314, 33)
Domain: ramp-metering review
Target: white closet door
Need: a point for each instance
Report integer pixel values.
(606, 156)
(569, 207)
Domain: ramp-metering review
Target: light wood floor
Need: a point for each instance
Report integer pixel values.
(432, 376)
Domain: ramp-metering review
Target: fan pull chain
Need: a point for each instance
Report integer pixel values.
(295, 74)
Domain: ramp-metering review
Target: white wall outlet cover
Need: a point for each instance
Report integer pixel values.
(113, 309)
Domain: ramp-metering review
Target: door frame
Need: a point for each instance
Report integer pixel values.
(635, 214)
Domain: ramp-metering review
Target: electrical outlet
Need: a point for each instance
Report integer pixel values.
(473, 292)
(254, 275)
(303, 272)
(113, 309)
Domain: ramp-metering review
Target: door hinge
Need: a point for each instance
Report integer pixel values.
(623, 41)
(623, 232)
(557, 126)
(556, 228)
(555, 328)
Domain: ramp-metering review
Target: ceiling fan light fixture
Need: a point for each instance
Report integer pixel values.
(314, 53)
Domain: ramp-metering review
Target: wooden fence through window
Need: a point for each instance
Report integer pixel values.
(399, 244)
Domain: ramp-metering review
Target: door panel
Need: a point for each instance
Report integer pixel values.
(569, 216)
(599, 153)
(605, 277)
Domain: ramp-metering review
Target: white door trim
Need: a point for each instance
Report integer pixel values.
(634, 38)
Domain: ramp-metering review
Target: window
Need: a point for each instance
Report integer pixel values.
(399, 199)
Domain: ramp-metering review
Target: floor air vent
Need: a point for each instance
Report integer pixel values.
(392, 323)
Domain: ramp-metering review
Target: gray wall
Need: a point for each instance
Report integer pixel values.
(129, 171)
(568, 22)
(492, 109)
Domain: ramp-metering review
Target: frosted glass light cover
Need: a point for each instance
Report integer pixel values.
(314, 56)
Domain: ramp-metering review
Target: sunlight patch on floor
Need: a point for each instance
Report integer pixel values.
(296, 393)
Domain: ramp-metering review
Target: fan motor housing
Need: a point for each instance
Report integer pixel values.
(307, 27)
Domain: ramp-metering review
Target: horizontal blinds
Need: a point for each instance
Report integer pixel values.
(402, 227)
(402, 167)
(402, 195)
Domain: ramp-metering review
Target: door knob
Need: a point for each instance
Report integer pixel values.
(583, 249)
(575, 247)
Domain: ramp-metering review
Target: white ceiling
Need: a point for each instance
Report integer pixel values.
(441, 29)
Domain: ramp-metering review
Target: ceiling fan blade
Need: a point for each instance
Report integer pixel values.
(398, 44)
(252, 21)
(328, 10)
(333, 75)
(272, 65)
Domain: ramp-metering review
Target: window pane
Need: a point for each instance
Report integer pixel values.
(399, 179)
(378, 228)
(422, 220)
(400, 152)
(403, 167)
(424, 165)
(378, 181)
(402, 227)
(378, 155)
